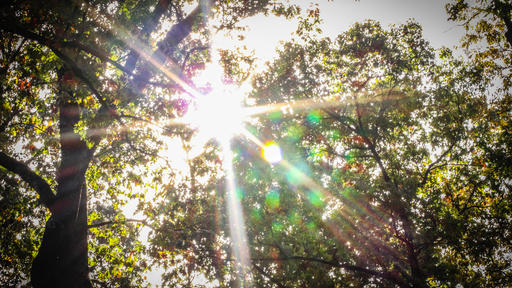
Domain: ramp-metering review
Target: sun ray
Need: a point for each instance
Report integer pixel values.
(224, 123)
(327, 197)
(156, 58)
(322, 103)
(240, 245)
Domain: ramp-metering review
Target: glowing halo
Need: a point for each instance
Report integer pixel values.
(271, 152)
(217, 115)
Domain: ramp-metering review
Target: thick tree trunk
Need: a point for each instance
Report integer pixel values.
(62, 257)
(62, 260)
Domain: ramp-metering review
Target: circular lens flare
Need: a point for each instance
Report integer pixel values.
(271, 152)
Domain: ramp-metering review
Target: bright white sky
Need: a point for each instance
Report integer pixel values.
(265, 33)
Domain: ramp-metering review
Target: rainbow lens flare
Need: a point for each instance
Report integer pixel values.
(271, 152)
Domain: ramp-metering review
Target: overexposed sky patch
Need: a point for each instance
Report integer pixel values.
(264, 34)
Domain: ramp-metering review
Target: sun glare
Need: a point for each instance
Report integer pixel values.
(218, 115)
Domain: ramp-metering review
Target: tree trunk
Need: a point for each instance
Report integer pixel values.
(62, 259)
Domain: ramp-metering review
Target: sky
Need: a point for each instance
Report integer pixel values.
(265, 33)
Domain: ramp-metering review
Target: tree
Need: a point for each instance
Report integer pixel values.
(488, 38)
(77, 80)
(395, 169)
(386, 183)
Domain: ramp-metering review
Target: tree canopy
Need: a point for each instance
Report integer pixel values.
(369, 159)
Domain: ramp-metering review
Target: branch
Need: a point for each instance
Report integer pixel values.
(149, 26)
(353, 268)
(177, 33)
(105, 106)
(503, 12)
(189, 52)
(334, 263)
(112, 222)
(341, 119)
(262, 271)
(372, 147)
(425, 175)
(96, 53)
(181, 30)
(10, 26)
(43, 189)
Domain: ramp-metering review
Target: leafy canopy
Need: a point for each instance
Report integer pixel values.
(395, 157)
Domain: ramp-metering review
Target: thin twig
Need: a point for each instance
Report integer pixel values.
(113, 222)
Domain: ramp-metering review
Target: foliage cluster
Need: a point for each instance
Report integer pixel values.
(396, 157)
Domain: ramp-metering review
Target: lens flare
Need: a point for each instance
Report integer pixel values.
(237, 229)
(271, 152)
(218, 115)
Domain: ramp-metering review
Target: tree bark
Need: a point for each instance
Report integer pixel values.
(62, 259)
(173, 37)
(504, 10)
(149, 26)
(43, 189)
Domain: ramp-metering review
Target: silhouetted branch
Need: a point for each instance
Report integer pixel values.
(96, 53)
(95, 225)
(177, 33)
(189, 52)
(349, 267)
(149, 26)
(431, 166)
(10, 26)
(43, 189)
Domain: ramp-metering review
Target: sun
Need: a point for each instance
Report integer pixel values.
(219, 114)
